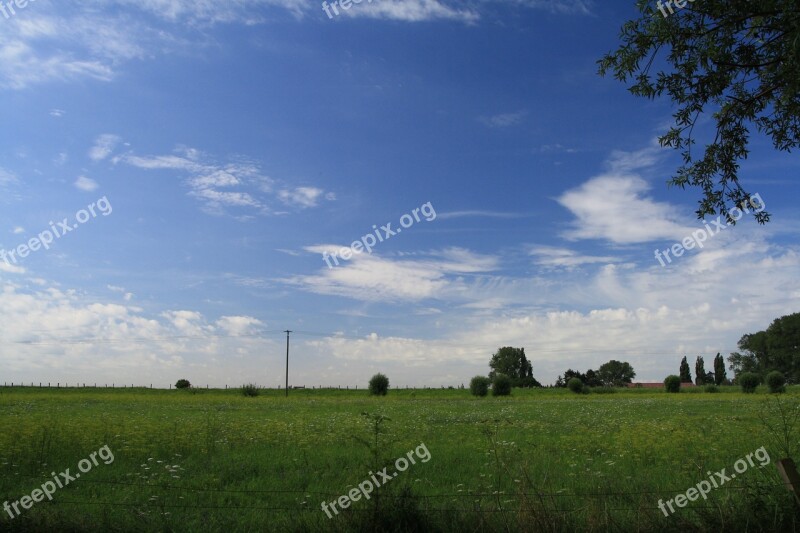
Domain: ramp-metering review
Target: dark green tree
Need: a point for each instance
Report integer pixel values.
(776, 382)
(783, 346)
(736, 63)
(720, 376)
(740, 363)
(672, 383)
(685, 373)
(592, 379)
(479, 386)
(615, 373)
(749, 381)
(699, 371)
(563, 381)
(513, 363)
(379, 385)
(575, 385)
(501, 385)
(776, 348)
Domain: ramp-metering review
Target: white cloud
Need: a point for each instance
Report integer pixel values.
(372, 278)
(103, 146)
(57, 113)
(11, 269)
(52, 335)
(7, 177)
(613, 206)
(552, 256)
(211, 183)
(479, 213)
(411, 11)
(504, 120)
(86, 184)
(557, 148)
(238, 325)
(18, 230)
(301, 196)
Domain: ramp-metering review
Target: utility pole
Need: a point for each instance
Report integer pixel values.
(287, 362)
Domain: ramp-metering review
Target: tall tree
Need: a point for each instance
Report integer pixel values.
(734, 62)
(720, 376)
(741, 363)
(699, 371)
(616, 373)
(685, 373)
(513, 363)
(783, 346)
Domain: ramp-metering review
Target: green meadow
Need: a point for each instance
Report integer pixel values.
(539, 460)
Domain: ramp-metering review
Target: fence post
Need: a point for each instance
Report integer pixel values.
(788, 471)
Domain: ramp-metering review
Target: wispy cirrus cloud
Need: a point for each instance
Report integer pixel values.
(413, 11)
(219, 187)
(504, 120)
(481, 213)
(553, 256)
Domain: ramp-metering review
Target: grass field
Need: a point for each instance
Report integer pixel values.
(540, 460)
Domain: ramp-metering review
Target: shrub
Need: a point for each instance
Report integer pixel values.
(749, 381)
(183, 384)
(776, 382)
(378, 385)
(250, 390)
(672, 383)
(712, 388)
(479, 386)
(501, 386)
(603, 390)
(575, 385)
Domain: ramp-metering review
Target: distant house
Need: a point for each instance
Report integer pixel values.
(655, 385)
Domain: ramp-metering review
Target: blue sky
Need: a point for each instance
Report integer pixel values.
(233, 143)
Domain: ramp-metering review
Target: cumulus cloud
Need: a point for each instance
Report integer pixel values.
(614, 206)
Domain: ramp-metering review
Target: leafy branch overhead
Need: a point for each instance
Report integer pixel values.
(735, 60)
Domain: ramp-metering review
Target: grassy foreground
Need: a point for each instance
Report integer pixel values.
(541, 460)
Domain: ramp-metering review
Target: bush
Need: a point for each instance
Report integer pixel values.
(749, 381)
(712, 388)
(575, 385)
(250, 390)
(183, 384)
(479, 386)
(776, 382)
(603, 390)
(672, 383)
(501, 386)
(379, 385)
